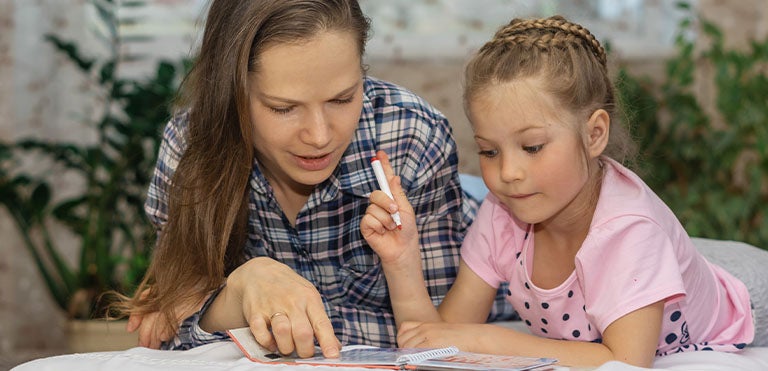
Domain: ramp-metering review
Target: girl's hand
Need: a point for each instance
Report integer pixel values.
(435, 335)
(394, 246)
(284, 311)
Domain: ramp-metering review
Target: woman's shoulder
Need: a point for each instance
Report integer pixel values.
(175, 131)
(385, 95)
(417, 137)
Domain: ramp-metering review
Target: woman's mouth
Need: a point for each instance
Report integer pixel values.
(313, 163)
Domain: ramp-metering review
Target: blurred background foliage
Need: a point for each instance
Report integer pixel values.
(706, 157)
(105, 213)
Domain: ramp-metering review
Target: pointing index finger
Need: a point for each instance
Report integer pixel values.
(398, 194)
(384, 159)
(321, 325)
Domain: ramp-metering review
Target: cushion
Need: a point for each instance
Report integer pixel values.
(749, 264)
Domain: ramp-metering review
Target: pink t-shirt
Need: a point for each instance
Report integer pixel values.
(636, 253)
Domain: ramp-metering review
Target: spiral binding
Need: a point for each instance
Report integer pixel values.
(425, 355)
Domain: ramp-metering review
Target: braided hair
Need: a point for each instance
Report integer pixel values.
(568, 58)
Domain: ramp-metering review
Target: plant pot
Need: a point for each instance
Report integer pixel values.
(99, 335)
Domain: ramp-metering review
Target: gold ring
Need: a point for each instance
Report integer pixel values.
(276, 314)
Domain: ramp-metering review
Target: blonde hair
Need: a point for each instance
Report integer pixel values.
(570, 61)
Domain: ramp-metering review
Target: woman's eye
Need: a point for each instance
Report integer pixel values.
(488, 153)
(342, 101)
(533, 149)
(281, 110)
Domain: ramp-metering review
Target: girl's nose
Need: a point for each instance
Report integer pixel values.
(511, 169)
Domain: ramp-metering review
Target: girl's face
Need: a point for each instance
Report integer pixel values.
(531, 154)
(306, 101)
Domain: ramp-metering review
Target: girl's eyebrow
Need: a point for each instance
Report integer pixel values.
(519, 131)
(528, 128)
(342, 93)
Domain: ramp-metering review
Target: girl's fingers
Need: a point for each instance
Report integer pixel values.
(388, 171)
(369, 226)
(406, 333)
(399, 194)
(406, 340)
(381, 208)
(394, 183)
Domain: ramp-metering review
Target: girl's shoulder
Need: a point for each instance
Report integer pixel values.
(625, 195)
(494, 215)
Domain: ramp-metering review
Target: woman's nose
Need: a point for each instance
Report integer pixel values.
(317, 129)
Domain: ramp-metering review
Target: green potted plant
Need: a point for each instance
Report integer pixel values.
(106, 210)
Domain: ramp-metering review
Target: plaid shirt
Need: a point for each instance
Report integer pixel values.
(326, 246)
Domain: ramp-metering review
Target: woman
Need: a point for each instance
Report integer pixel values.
(261, 184)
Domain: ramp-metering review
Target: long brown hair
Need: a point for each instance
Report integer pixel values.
(206, 230)
(572, 62)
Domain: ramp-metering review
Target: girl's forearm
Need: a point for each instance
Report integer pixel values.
(408, 293)
(500, 340)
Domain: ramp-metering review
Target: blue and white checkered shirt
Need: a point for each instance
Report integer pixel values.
(326, 246)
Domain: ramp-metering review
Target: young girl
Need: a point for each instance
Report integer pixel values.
(599, 268)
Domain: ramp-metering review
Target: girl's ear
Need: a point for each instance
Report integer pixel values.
(598, 128)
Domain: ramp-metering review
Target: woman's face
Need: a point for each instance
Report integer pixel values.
(306, 101)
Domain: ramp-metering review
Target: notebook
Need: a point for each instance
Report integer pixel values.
(449, 358)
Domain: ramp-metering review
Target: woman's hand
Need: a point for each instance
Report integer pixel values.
(153, 328)
(284, 311)
(394, 246)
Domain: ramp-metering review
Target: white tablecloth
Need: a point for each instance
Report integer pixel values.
(226, 356)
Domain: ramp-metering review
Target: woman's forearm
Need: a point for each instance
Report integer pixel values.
(226, 312)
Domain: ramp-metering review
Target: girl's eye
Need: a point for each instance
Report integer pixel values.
(281, 110)
(488, 153)
(533, 149)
